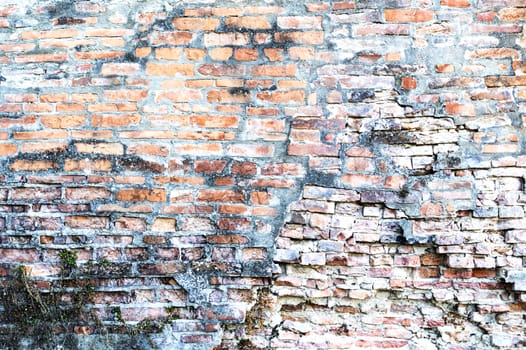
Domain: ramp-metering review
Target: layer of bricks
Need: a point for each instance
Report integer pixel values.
(301, 175)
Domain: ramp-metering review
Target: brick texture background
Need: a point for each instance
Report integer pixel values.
(285, 175)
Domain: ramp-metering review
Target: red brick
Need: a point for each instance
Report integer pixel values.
(220, 196)
(141, 195)
(36, 194)
(87, 222)
(409, 83)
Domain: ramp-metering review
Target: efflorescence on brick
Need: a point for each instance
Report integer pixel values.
(288, 175)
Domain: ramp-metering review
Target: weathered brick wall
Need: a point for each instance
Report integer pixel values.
(289, 175)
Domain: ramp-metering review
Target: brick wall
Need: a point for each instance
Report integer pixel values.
(288, 175)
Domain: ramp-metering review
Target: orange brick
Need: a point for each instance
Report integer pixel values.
(193, 24)
(141, 52)
(100, 148)
(8, 149)
(111, 32)
(69, 107)
(51, 57)
(229, 96)
(148, 149)
(224, 196)
(183, 95)
(460, 109)
(274, 54)
(170, 69)
(51, 34)
(98, 55)
(168, 53)
(54, 98)
(220, 53)
(248, 22)
(205, 121)
(10, 108)
(163, 225)
(38, 147)
(408, 15)
(455, 3)
(32, 165)
(512, 14)
(141, 195)
(40, 135)
(91, 134)
(87, 193)
(246, 54)
(86, 97)
(87, 165)
(206, 135)
(286, 97)
(302, 53)
(445, 68)
(195, 54)
(503, 148)
(38, 107)
(125, 95)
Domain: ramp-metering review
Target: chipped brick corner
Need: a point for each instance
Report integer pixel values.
(283, 175)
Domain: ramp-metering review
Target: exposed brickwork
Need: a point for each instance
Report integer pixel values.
(301, 175)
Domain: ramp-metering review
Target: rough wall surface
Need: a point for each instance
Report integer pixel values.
(272, 174)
